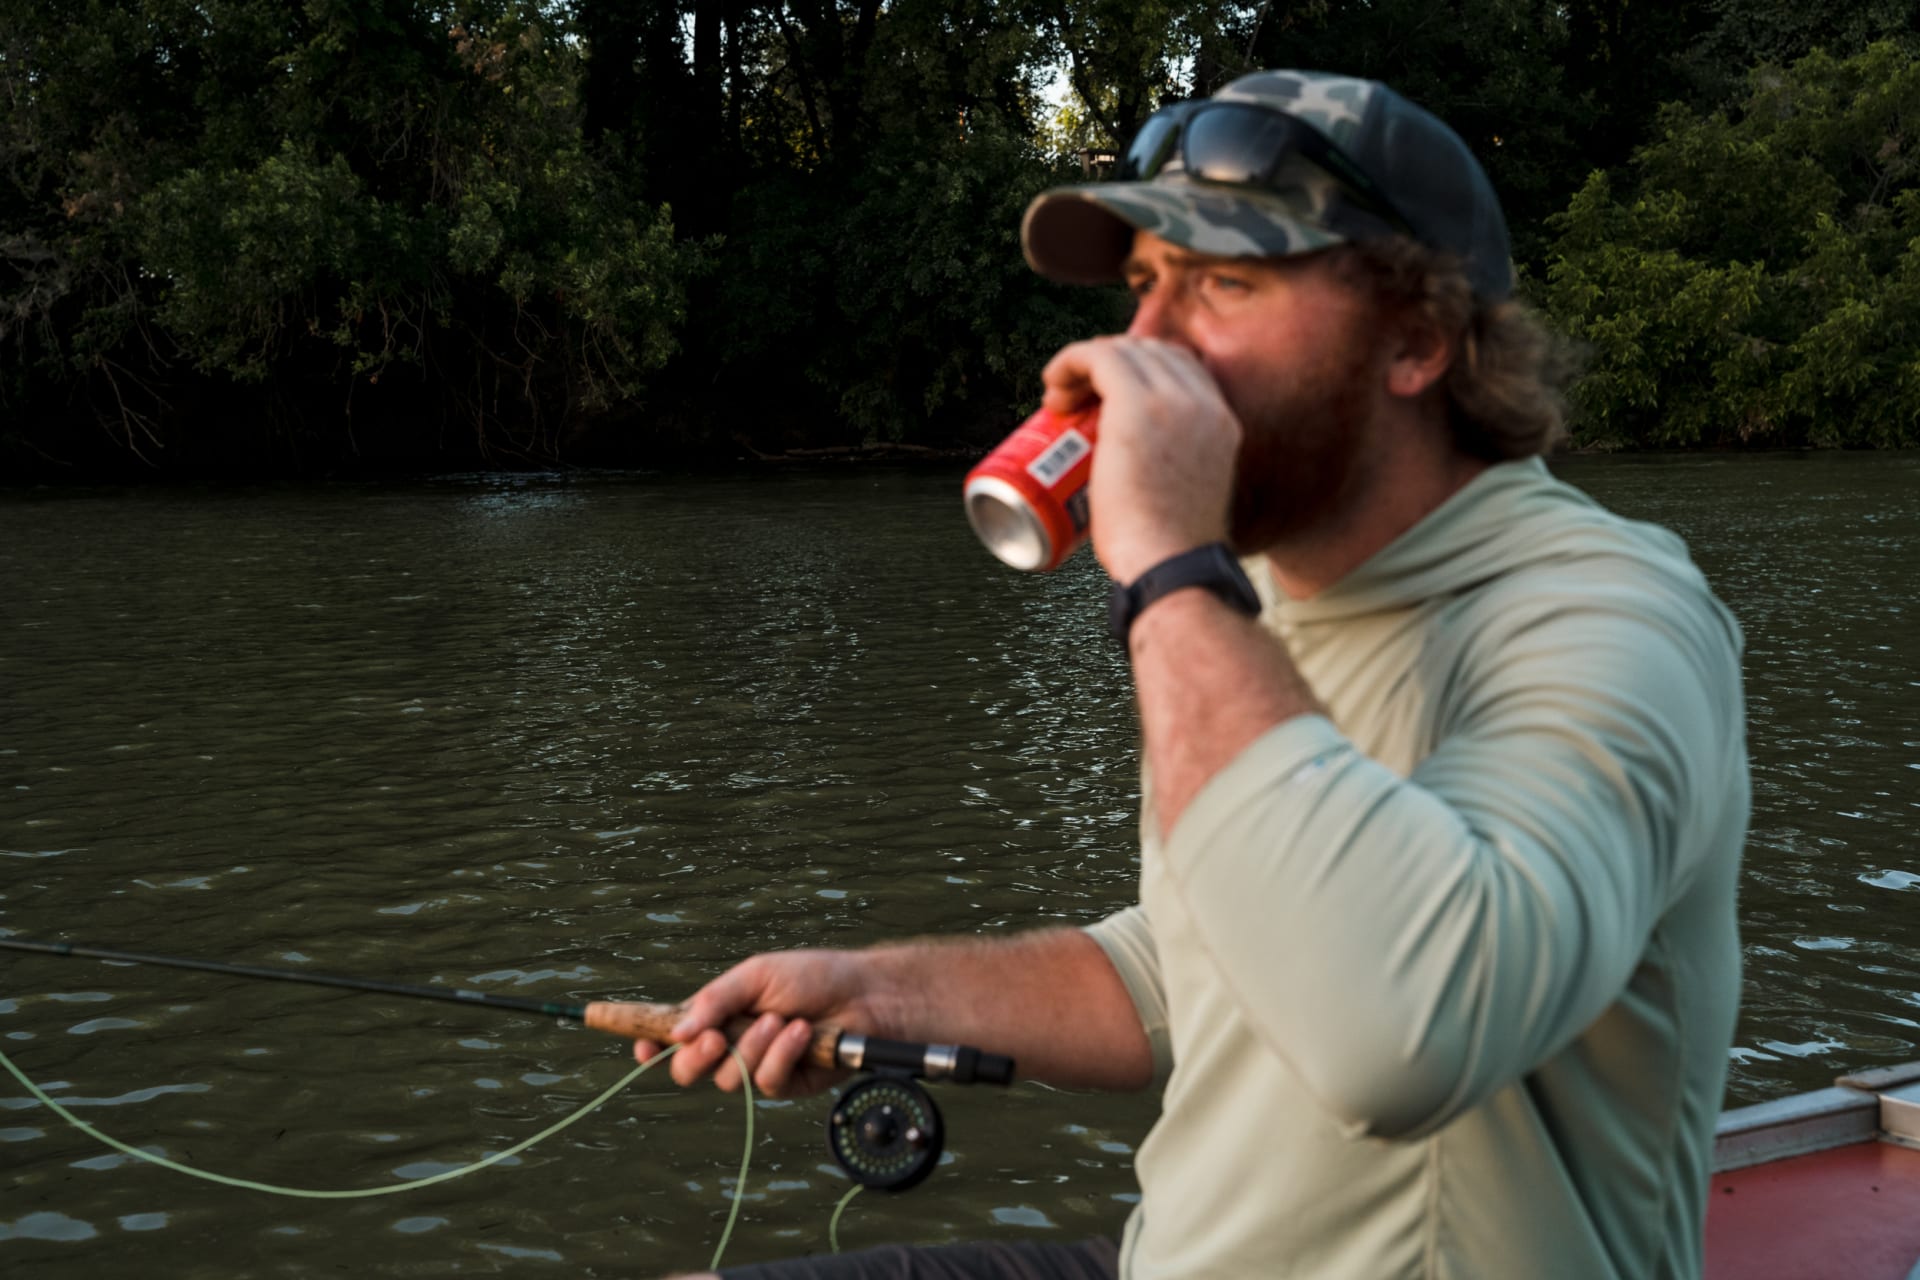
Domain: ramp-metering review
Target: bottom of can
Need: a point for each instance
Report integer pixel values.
(1007, 523)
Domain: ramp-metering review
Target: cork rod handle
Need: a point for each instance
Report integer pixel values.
(632, 1021)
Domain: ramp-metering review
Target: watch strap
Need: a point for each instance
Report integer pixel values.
(1212, 566)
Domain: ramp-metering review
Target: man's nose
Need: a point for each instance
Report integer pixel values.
(1159, 315)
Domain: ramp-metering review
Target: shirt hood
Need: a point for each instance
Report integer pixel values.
(1511, 516)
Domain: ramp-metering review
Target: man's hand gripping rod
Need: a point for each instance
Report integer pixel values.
(831, 1047)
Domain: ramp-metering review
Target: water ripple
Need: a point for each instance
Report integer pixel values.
(601, 736)
(47, 1225)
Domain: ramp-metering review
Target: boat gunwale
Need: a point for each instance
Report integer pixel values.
(1878, 1105)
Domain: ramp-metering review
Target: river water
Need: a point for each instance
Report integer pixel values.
(587, 736)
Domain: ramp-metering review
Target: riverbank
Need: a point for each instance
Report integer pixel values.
(354, 456)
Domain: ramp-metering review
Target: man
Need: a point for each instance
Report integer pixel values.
(1435, 955)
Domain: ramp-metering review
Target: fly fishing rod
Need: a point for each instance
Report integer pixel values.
(884, 1130)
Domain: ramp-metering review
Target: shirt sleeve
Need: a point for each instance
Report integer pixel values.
(1412, 945)
(1127, 938)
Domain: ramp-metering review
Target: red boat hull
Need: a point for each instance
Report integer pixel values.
(1852, 1213)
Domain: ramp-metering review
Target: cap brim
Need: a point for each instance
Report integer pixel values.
(1082, 235)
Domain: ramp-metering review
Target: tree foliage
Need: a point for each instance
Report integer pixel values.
(1755, 276)
(304, 216)
(276, 233)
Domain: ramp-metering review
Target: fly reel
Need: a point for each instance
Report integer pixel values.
(885, 1131)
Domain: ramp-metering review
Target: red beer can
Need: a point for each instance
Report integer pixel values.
(1027, 500)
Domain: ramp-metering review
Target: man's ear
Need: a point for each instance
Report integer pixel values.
(1422, 353)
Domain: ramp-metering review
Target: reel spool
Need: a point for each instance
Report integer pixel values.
(886, 1132)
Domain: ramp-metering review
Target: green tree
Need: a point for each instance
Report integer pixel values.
(1744, 34)
(1755, 279)
(240, 229)
(870, 286)
(1124, 59)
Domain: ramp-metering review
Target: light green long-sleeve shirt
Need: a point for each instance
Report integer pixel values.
(1444, 983)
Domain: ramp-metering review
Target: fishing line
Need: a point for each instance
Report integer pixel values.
(884, 1130)
(358, 1193)
(833, 1223)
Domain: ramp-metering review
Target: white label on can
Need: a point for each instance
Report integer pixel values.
(1059, 458)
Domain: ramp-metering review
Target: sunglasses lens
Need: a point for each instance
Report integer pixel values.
(1237, 144)
(1151, 147)
(1231, 142)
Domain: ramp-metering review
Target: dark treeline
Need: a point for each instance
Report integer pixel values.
(254, 236)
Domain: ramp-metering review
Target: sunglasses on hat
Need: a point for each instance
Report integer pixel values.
(1245, 145)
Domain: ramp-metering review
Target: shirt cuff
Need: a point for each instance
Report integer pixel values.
(1127, 939)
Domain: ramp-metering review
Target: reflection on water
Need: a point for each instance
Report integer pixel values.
(574, 737)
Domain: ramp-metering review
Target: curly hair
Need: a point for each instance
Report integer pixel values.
(1506, 389)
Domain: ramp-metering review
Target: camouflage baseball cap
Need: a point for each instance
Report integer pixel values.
(1082, 234)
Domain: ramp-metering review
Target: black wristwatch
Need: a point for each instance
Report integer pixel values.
(1211, 566)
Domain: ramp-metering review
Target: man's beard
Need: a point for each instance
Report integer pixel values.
(1303, 452)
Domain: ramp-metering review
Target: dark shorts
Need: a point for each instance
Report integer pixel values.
(1089, 1260)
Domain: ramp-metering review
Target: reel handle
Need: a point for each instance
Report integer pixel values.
(960, 1063)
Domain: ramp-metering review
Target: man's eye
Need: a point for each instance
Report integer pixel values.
(1228, 283)
(1140, 286)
